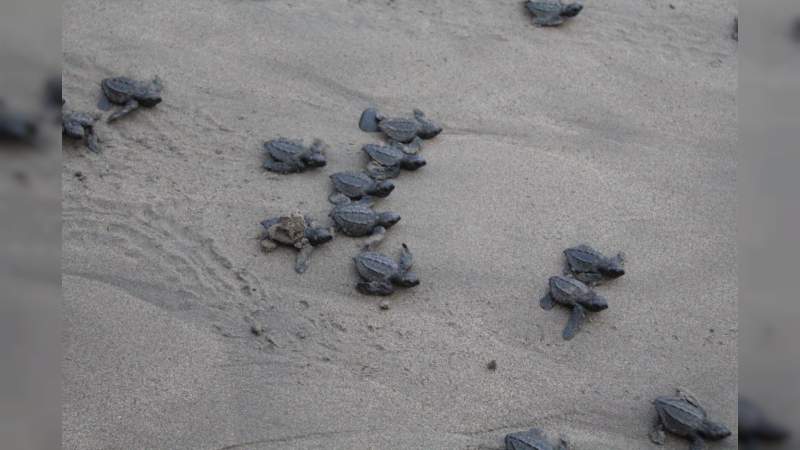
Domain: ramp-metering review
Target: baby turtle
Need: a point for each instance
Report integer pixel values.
(290, 156)
(357, 219)
(573, 294)
(755, 428)
(17, 127)
(130, 94)
(590, 266)
(80, 125)
(381, 273)
(551, 13)
(682, 415)
(399, 129)
(355, 185)
(387, 160)
(294, 230)
(533, 439)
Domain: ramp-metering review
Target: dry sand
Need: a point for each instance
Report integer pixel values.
(618, 129)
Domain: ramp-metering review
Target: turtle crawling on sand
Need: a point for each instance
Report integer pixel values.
(592, 267)
(294, 230)
(356, 185)
(400, 129)
(756, 428)
(573, 294)
(80, 126)
(682, 415)
(551, 13)
(381, 274)
(533, 439)
(130, 94)
(357, 219)
(387, 160)
(291, 156)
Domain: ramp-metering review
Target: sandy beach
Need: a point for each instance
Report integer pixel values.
(618, 129)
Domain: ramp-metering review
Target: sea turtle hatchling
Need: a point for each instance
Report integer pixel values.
(380, 273)
(682, 415)
(130, 94)
(573, 294)
(399, 129)
(533, 439)
(80, 126)
(756, 428)
(387, 160)
(592, 267)
(291, 156)
(551, 13)
(358, 219)
(294, 230)
(356, 185)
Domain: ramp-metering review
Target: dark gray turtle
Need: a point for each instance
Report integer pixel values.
(683, 416)
(130, 94)
(357, 219)
(533, 439)
(17, 127)
(381, 273)
(290, 156)
(756, 428)
(573, 294)
(551, 13)
(80, 125)
(387, 160)
(355, 185)
(590, 266)
(399, 129)
(294, 230)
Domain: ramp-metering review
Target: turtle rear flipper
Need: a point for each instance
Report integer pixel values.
(547, 302)
(126, 109)
(657, 435)
(576, 319)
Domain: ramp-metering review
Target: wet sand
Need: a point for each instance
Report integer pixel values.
(618, 129)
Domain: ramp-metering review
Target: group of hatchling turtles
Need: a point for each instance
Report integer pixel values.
(353, 197)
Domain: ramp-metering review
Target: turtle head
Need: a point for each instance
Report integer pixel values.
(595, 304)
(318, 236)
(151, 94)
(613, 268)
(714, 431)
(387, 219)
(571, 10)
(412, 162)
(382, 189)
(315, 159)
(407, 279)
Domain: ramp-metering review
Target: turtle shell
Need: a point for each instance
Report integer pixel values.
(352, 184)
(400, 129)
(568, 290)
(544, 6)
(285, 150)
(385, 155)
(119, 89)
(354, 219)
(583, 258)
(373, 266)
(679, 416)
(532, 439)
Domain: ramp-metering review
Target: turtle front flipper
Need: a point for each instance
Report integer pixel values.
(406, 259)
(381, 288)
(547, 302)
(548, 20)
(279, 167)
(126, 109)
(714, 431)
(92, 141)
(697, 443)
(657, 434)
(563, 444)
(575, 322)
(303, 258)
